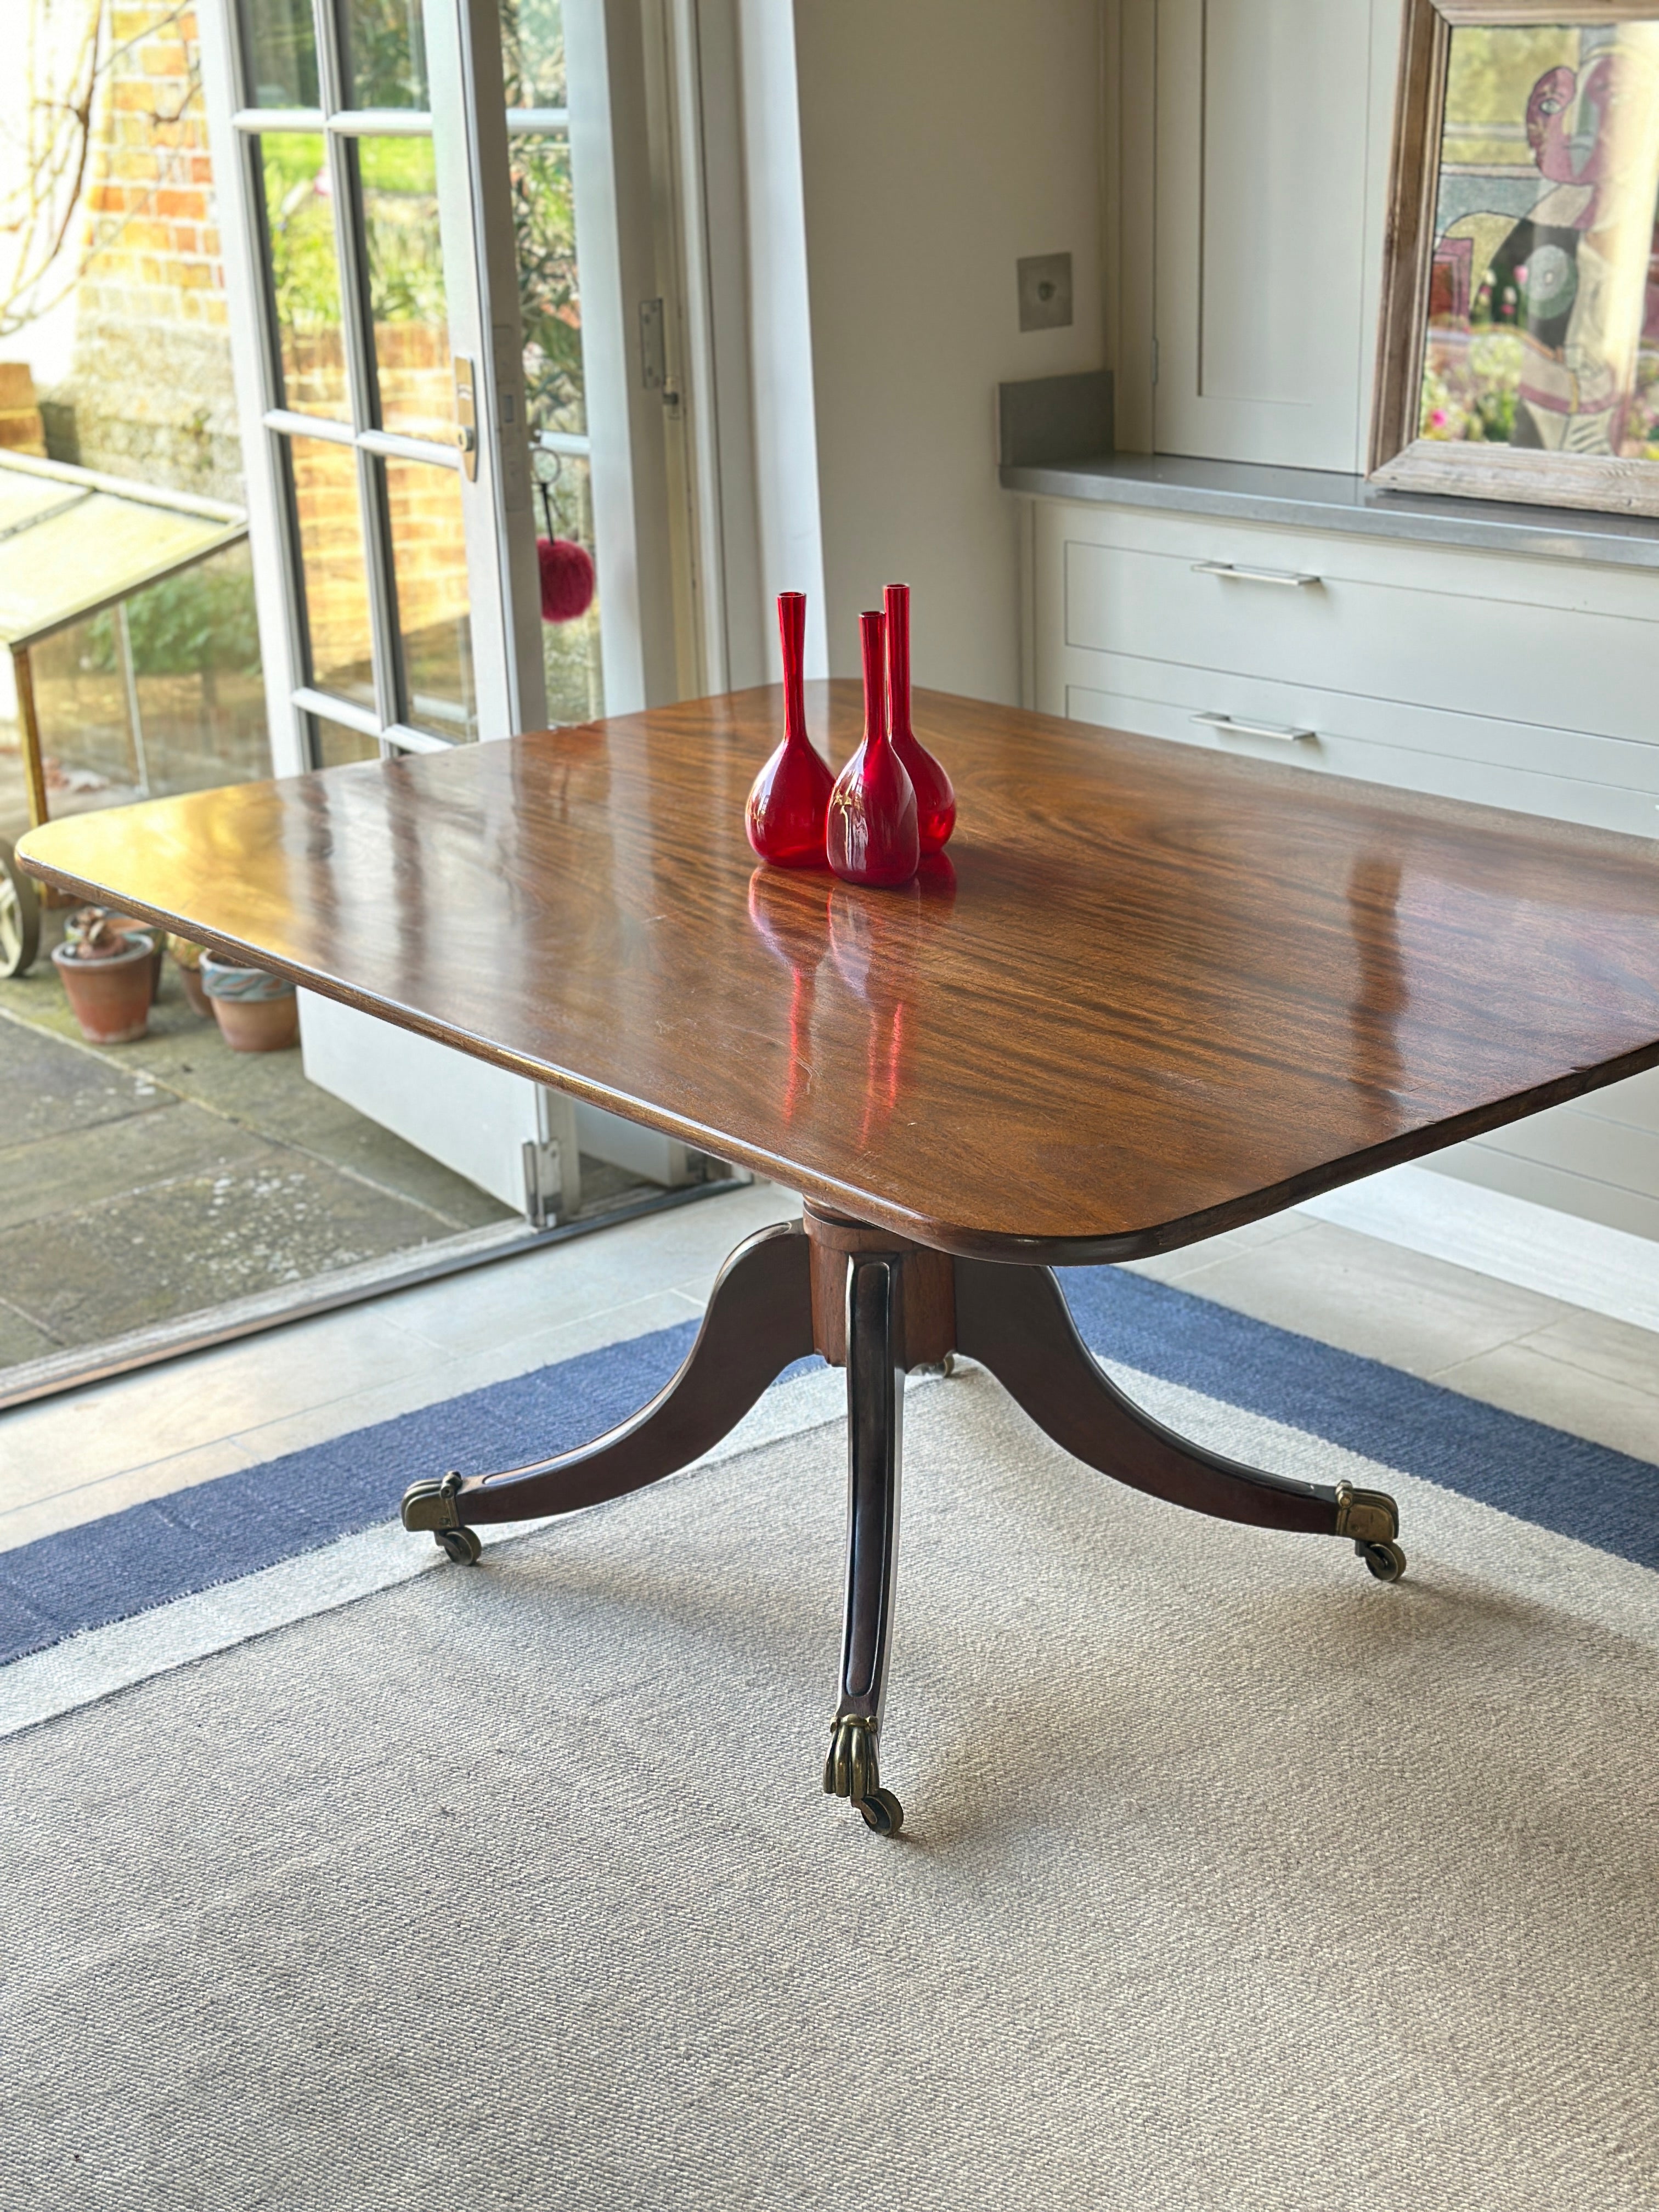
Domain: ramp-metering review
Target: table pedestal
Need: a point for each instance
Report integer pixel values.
(877, 1305)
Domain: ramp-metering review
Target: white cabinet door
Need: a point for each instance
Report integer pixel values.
(1263, 108)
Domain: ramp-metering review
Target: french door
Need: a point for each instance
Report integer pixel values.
(408, 195)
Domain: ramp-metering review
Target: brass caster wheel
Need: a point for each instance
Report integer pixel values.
(1386, 1561)
(462, 1545)
(882, 1812)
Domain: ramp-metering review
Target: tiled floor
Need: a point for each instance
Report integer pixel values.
(70, 1459)
(1585, 1373)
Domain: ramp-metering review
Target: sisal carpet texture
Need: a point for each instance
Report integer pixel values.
(1231, 1878)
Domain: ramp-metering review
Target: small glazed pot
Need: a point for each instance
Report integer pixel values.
(255, 1011)
(109, 998)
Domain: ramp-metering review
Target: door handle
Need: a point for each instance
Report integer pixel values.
(1230, 726)
(467, 416)
(1294, 580)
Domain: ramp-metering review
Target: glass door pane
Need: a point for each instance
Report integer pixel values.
(279, 41)
(570, 650)
(344, 195)
(532, 53)
(333, 569)
(304, 273)
(385, 44)
(407, 318)
(549, 299)
(428, 562)
(540, 186)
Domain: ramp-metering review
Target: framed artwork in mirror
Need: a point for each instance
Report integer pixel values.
(1518, 355)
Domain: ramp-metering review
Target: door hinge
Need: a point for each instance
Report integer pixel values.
(1154, 361)
(654, 346)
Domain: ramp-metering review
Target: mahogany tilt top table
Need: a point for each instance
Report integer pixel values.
(1149, 992)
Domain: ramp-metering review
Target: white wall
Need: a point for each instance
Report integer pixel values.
(941, 140)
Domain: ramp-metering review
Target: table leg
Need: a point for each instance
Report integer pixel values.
(875, 1419)
(759, 1321)
(880, 1305)
(1015, 1322)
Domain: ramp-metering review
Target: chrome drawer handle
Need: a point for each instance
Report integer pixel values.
(1230, 726)
(1295, 579)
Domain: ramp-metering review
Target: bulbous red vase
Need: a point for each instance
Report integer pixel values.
(936, 802)
(872, 835)
(788, 799)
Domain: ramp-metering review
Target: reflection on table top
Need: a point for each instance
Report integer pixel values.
(1150, 992)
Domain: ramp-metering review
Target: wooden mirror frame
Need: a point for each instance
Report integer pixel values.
(1400, 461)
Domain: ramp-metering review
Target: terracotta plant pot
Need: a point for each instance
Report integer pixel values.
(187, 958)
(255, 1011)
(86, 918)
(109, 998)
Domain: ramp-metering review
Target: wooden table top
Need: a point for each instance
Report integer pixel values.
(1156, 992)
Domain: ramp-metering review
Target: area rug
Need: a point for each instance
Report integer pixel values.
(90, 1610)
(1230, 1878)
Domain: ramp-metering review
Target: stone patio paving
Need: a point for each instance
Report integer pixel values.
(143, 1183)
(140, 1183)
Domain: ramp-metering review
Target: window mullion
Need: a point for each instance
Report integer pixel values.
(381, 123)
(331, 56)
(357, 334)
(382, 601)
(255, 122)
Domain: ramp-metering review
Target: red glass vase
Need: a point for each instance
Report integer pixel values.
(788, 799)
(872, 809)
(936, 802)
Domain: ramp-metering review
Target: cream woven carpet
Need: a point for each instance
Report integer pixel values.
(1231, 1878)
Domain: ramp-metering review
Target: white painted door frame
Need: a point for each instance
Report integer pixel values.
(495, 1128)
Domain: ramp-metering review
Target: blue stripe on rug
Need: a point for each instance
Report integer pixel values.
(219, 1531)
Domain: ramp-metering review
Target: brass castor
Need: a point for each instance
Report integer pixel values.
(882, 1812)
(1385, 1560)
(432, 1505)
(850, 1771)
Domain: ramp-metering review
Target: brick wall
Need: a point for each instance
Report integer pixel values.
(149, 393)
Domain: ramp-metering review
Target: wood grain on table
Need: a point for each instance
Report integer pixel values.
(1152, 992)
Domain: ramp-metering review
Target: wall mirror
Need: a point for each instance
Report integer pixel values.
(1519, 346)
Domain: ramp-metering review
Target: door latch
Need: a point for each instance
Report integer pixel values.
(467, 416)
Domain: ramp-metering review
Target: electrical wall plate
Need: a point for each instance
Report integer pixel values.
(1045, 291)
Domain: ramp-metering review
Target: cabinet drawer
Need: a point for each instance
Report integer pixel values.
(1505, 680)
(1608, 783)
(1467, 633)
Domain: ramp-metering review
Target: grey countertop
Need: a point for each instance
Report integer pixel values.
(1318, 499)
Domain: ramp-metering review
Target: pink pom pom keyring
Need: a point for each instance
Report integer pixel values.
(566, 571)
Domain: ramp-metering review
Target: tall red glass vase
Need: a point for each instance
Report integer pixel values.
(790, 797)
(872, 809)
(936, 802)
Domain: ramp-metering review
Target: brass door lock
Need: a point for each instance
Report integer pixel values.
(466, 417)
